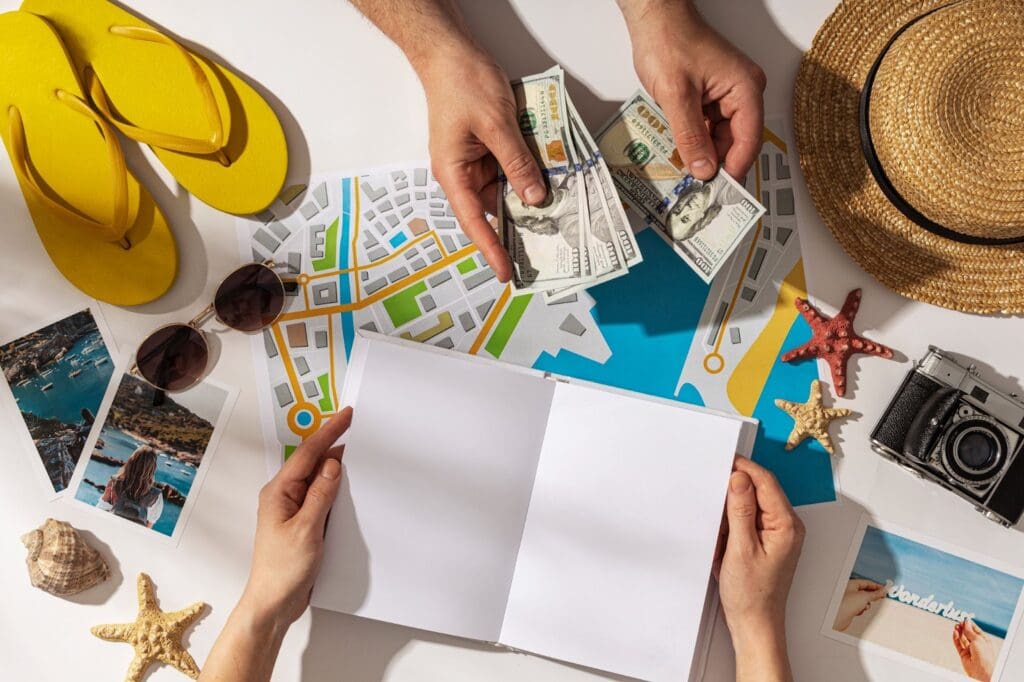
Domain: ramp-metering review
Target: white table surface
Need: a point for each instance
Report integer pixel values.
(349, 100)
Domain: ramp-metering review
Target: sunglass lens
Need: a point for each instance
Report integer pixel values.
(173, 358)
(250, 298)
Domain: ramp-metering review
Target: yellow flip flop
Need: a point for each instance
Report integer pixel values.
(101, 229)
(216, 135)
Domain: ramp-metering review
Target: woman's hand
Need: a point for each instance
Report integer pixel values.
(857, 598)
(285, 560)
(694, 74)
(761, 548)
(977, 654)
(473, 132)
(290, 526)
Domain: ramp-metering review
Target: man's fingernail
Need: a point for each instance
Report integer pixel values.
(534, 194)
(700, 165)
(331, 469)
(739, 483)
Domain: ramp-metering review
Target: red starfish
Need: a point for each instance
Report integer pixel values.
(834, 339)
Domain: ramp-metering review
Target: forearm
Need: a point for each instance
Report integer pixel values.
(422, 29)
(246, 649)
(636, 11)
(761, 655)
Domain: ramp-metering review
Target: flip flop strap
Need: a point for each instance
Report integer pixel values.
(211, 145)
(111, 231)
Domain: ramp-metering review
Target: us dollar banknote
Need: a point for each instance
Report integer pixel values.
(703, 222)
(618, 223)
(545, 242)
(605, 257)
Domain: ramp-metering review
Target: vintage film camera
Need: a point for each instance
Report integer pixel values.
(948, 425)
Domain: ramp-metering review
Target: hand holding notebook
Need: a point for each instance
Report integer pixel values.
(492, 502)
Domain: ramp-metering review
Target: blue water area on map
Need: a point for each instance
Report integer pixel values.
(649, 318)
(348, 327)
(119, 445)
(398, 240)
(806, 472)
(65, 400)
(304, 418)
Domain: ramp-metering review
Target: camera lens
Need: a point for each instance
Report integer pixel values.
(974, 450)
(977, 450)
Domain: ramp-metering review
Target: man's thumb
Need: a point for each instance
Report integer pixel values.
(741, 510)
(517, 163)
(686, 118)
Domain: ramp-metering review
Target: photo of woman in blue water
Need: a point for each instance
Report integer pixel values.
(132, 493)
(149, 453)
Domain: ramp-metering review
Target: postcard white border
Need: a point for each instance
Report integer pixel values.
(197, 483)
(858, 538)
(22, 438)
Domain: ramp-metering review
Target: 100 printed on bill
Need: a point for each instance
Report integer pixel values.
(703, 222)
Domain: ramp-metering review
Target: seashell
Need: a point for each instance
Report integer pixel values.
(60, 561)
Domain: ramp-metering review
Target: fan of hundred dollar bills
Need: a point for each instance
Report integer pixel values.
(580, 236)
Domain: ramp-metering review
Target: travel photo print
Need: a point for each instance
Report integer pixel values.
(147, 462)
(57, 374)
(927, 604)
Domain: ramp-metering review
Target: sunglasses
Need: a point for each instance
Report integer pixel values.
(175, 357)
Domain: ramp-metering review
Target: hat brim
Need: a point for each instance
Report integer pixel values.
(900, 254)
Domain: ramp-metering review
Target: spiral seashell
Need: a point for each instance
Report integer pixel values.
(60, 561)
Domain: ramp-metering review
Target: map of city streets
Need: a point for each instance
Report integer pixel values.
(382, 251)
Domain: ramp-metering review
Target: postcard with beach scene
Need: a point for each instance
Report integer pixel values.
(151, 454)
(58, 375)
(933, 607)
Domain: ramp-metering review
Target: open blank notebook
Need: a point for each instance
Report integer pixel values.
(501, 504)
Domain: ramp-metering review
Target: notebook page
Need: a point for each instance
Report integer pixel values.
(616, 554)
(439, 466)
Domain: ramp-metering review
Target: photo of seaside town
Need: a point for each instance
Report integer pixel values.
(58, 375)
(149, 451)
(929, 605)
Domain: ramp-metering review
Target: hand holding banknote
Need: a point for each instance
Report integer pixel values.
(473, 133)
(694, 74)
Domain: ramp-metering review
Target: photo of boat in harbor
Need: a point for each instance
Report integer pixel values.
(58, 385)
(150, 451)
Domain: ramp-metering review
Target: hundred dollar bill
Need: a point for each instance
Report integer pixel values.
(703, 222)
(617, 221)
(545, 242)
(605, 257)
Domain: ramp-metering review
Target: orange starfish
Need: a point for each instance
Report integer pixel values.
(834, 339)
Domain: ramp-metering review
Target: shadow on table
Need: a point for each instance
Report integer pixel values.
(176, 202)
(99, 594)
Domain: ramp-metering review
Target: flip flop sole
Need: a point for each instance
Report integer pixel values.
(69, 154)
(151, 86)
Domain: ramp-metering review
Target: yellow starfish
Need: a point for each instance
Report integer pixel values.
(811, 419)
(155, 635)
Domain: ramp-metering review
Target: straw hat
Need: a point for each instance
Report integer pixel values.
(909, 119)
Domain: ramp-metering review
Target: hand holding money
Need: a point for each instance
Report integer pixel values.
(695, 75)
(703, 221)
(580, 235)
(473, 130)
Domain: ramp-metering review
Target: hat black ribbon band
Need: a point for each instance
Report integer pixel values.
(875, 164)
